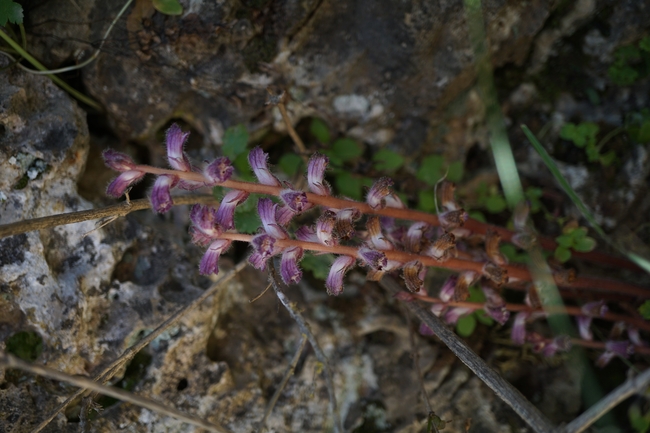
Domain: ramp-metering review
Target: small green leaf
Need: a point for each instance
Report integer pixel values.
(578, 233)
(168, 7)
(644, 44)
(644, 310)
(348, 185)
(235, 140)
(584, 245)
(476, 295)
(247, 221)
(622, 75)
(25, 345)
(426, 201)
(466, 325)
(455, 172)
(482, 317)
(478, 216)
(10, 11)
(593, 154)
(568, 131)
(347, 149)
(512, 254)
(588, 130)
(387, 160)
(319, 130)
(639, 422)
(318, 265)
(430, 171)
(335, 161)
(565, 240)
(643, 136)
(290, 163)
(562, 254)
(607, 158)
(495, 204)
(533, 196)
(243, 168)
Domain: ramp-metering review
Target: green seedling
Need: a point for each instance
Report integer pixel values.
(631, 63)
(583, 135)
(573, 238)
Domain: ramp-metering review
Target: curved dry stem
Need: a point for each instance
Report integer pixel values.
(116, 210)
(109, 371)
(10, 361)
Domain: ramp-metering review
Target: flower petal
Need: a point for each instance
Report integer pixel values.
(225, 216)
(258, 159)
(118, 161)
(378, 192)
(161, 196)
(204, 227)
(518, 333)
(289, 269)
(219, 170)
(121, 183)
(334, 281)
(316, 174)
(413, 274)
(295, 200)
(210, 261)
(374, 259)
(266, 209)
(325, 228)
(175, 141)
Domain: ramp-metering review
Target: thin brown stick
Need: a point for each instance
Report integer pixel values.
(109, 371)
(285, 379)
(502, 388)
(118, 210)
(416, 362)
(632, 386)
(10, 361)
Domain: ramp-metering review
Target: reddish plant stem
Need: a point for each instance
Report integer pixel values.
(570, 310)
(405, 214)
(453, 264)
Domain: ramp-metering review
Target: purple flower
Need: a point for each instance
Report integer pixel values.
(413, 274)
(561, 343)
(289, 270)
(345, 219)
(325, 228)
(226, 213)
(219, 170)
(307, 234)
(175, 140)
(121, 183)
(448, 288)
(495, 306)
(425, 330)
(595, 309)
(334, 281)
(635, 338)
(584, 327)
(283, 214)
(161, 196)
(210, 261)
(453, 314)
(258, 159)
(518, 334)
(392, 200)
(316, 174)
(377, 239)
(295, 200)
(264, 247)
(266, 209)
(452, 219)
(204, 228)
(413, 239)
(378, 192)
(118, 161)
(615, 348)
(374, 259)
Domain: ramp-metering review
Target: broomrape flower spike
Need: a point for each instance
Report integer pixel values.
(384, 246)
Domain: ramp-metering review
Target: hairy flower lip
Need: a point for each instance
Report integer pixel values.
(316, 174)
(413, 275)
(118, 161)
(595, 309)
(161, 197)
(266, 209)
(376, 260)
(258, 160)
(289, 269)
(378, 193)
(205, 227)
(377, 239)
(325, 228)
(295, 200)
(219, 170)
(225, 215)
(210, 261)
(175, 140)
(334, 281)
(124, 181)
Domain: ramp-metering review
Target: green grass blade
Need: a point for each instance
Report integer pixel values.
(555, 171)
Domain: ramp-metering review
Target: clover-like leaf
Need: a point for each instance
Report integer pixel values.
(466, 325)
(347, 149)
(10, 11)
(430, 171)
(348, 185)
(289, 163)
(562, 254)
(495, 204)
(235, 140)
(319, 130)
(387, 160)
(584, 245)
(608, 158)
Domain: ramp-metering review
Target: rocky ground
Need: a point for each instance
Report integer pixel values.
(391, 75)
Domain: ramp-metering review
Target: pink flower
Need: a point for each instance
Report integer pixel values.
(325, 228)
(175, 141)
(376, 260)
(205, 227)
(264, 248)
(218, 171)
(295, 200)
(266, 209)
